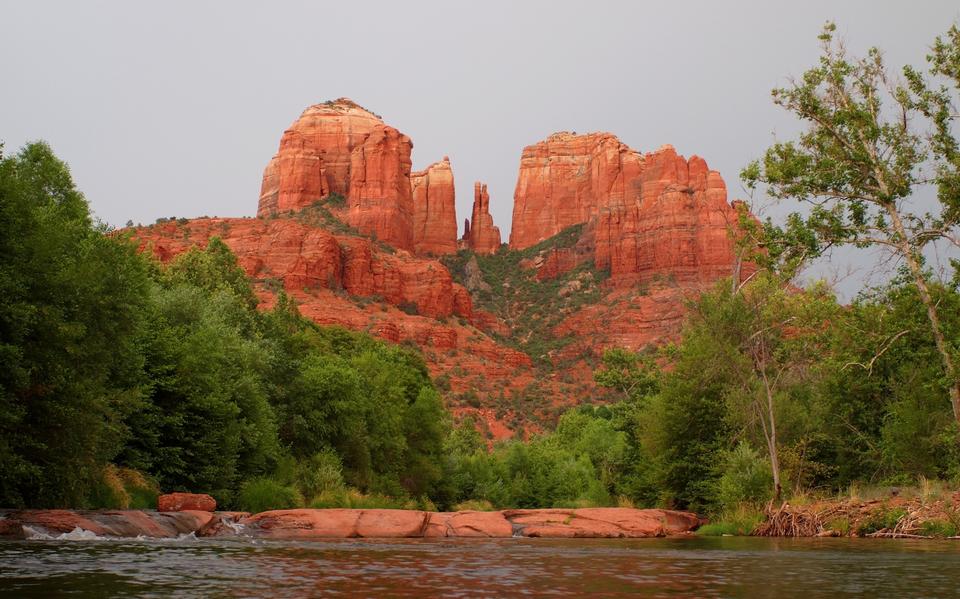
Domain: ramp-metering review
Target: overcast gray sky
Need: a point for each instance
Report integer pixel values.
(174, 108)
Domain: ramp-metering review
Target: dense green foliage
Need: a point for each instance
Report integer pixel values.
(579, 464)
(110, 359)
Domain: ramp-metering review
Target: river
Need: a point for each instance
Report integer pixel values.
(687, 567)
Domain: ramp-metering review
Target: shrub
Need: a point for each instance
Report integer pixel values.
(841, 525)
(745, 477)
(122, 488)
(409, 308)
(321, 472)
(938, 528)
(264, 494)
(880, 520)
(351, 498)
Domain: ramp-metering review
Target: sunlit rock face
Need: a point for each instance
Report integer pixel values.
(479, 232)
(653, 215)
(434, 210)
(341, 148)
(314, 158)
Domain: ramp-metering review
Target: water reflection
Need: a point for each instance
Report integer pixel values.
(713, 567)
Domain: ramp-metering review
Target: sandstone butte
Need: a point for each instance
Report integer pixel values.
(479, 232)
(651, 215)
(306, 524)
(659, 224)
(341, 148)
(434, 210)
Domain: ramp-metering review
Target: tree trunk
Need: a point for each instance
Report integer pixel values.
(771, 434)
(950, 369)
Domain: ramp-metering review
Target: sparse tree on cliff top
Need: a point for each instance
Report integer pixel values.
(870, 146)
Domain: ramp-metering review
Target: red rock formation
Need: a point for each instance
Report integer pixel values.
(434, 210)
(300, 257)
(653, 215)
(106, 523)
(340, 148)
(314, 158)
(548, 523)
(379, 200)
(479, 233)
(179, 502)
(563, 180)
(359, 523)
(674, 223)
(658, 222)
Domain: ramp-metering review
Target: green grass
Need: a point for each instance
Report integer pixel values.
(738, 522)
(353, 499)
(841, 525)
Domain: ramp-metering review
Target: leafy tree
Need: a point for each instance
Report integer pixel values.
(632, 374)
(71, 308)
(870, 145)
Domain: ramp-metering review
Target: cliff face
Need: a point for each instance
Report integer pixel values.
(654, 215)
(380, 200)
(341, 148)
(434, 210)
(314, 158)
(301, 257)
(479, 233)
(673, 221)
(564, 179)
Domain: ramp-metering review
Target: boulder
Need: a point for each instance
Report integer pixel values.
(181, 502)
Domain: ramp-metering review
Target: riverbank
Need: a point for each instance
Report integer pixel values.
(900, 513)
(302, 524)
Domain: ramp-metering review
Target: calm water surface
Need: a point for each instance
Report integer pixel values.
(697, 567)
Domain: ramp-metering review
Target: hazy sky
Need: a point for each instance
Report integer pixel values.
(174, 108)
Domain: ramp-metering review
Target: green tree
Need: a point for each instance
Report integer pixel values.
(869, 146)
(71, 310)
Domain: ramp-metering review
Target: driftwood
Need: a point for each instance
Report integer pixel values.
(802, 521)
(787, 521)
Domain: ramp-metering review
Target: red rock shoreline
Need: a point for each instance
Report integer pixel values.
(305, 524)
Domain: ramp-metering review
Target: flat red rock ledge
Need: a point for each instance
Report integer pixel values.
(348, 523)
(547, 523)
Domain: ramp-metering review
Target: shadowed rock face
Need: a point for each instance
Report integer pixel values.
(350, 523)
